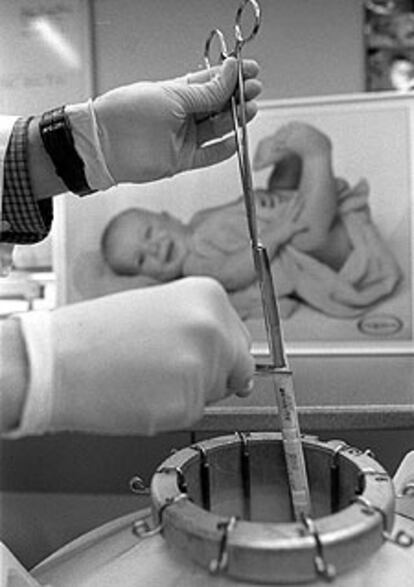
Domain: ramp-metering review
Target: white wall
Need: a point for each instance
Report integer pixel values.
(304, 47)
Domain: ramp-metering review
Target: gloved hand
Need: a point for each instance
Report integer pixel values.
(151, 130)
(138, 362)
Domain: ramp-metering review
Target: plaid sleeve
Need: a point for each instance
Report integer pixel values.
(25, 220)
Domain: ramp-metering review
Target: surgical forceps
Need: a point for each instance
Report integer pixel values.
(278, 369)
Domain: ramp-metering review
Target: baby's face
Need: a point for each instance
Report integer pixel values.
(147, 243)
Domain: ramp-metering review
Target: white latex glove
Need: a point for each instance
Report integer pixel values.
(138, 362)
(151, 130)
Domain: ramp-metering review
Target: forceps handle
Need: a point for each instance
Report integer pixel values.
(270, 306)
(241, 127)
(239, 122)
(242, 144)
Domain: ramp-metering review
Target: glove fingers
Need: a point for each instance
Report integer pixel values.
(237, 369)
(240, 380)
(214, 153)
(212, 95)
(200, 77)
(250, 70)
(212, 128)
(252, 88)
(221, 124)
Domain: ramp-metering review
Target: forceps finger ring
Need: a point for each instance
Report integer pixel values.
(240, 38)
(223, 53)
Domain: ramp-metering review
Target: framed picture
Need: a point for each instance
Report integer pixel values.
(352, 293)
(389, 45)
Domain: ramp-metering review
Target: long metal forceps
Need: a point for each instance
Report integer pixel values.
(279, 368)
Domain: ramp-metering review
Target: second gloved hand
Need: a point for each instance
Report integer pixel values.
(142, 361)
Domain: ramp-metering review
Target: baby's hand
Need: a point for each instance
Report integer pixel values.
(297, 137)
